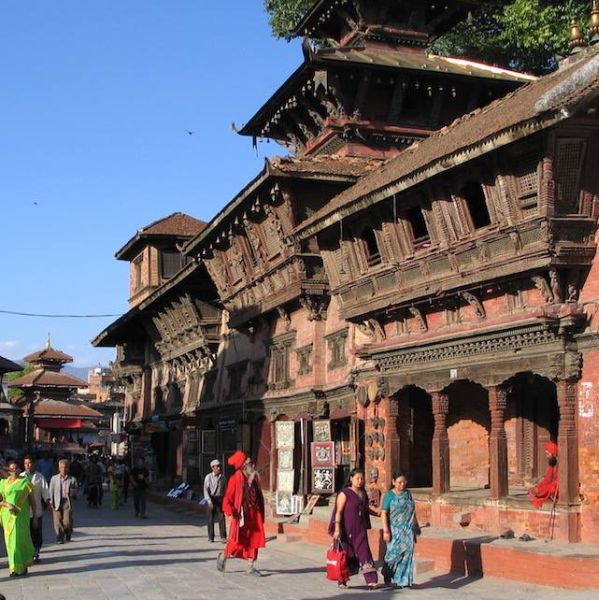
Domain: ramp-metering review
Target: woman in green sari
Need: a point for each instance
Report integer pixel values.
(16, 505)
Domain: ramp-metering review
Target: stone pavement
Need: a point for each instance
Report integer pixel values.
(115, 556)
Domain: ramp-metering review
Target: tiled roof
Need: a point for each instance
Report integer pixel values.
(177, 225)
(48, 355)
(46, 378)
(7, 366)
(538, 104)
(383, 59)
(58, 408)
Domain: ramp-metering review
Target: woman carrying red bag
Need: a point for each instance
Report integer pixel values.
(349, 524)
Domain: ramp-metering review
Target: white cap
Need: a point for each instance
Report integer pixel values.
(215, 463)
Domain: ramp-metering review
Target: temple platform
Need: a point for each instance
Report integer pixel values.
(467, 550)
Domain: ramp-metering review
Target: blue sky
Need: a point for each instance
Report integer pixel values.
(96, 97)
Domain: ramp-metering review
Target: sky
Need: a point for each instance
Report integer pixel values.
(96, 101)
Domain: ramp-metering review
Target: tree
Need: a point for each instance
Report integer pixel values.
(14, 393)
(518, 34)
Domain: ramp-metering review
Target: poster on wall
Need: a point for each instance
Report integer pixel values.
(285, 480)
(323, 454)
(285, 458)
(321, 431)
(322, 480)
(284, 503)
(285, 434)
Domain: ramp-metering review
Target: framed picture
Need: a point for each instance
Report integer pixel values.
(284, 503)
(323, 454)
(323, 480)
(285, 480)
(285, 458)
(321, 431)
(285, 434)
(209, 442)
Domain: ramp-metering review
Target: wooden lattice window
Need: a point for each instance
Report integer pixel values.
(273, 242)
(170, 263)
(304, 356)
(418, 228)
(570, 156)
(340, 263)
(526, 178)
(137, 279)
(279, 347)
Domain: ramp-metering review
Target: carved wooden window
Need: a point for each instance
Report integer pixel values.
(304, 356)
(257, 370)
(420, 234)
(208, 387)
(526, 178)
(474, 196)
(137, 279)
(278, 378)
(251, 251)
(273, 241)
(336, 345)
(373, 253)
(570, 156)
(171, 262)
(236, 373)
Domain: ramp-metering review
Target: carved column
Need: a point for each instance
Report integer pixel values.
(392, 446)
(440, 403)
(498, 442)
(567, 398)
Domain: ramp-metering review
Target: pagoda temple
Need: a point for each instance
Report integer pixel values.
(47, 402)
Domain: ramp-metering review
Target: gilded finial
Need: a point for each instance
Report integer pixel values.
(594, 25)
(576, 39)
(48, 344)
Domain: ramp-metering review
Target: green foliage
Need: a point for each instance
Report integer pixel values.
(284, 15)
(518, 34)
(14, 393)
(522, 34)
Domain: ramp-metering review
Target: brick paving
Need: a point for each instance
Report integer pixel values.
(115, 556)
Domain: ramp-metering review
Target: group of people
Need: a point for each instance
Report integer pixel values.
(23, 494)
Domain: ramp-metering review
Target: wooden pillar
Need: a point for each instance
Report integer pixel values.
(440, 403)
(498, 442)
(392, 448)
(569, 514)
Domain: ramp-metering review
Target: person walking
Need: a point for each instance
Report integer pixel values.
(244, 503)
(350, 523)
(214, 490)
(399, 531)
(139, 478)
(62, 486)
(17, 502)
(42, 494)
(93, 481)
(114, 485)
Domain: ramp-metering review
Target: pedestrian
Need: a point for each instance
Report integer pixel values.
(125, 481)
(114, 485)
(139, 481)
(214, 490)
(244, 503)
(17, 504)
(93, 481)
(62, 486)
(46, 467)
(42, 495)
(400, 528)
(350, 523)
(102, 468)
(547, 488)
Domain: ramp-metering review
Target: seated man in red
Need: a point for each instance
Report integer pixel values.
(547, 488)
(244, 503)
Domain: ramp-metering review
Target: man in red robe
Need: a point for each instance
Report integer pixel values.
(244, 503)
(546, 489)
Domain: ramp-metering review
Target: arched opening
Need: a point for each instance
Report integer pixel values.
(415, 426)
(468, 428)
(531, 420)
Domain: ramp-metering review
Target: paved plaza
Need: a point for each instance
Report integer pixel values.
(115, 556)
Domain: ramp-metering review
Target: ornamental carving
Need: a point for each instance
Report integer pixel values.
(475, 303)
(316, 306)
(420, 318)
(373, 330)
(556, 286)
(543, 287)
(284, 315)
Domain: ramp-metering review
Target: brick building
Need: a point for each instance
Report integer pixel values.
(413, 288)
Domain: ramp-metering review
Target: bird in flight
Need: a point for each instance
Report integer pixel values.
(189, 132)
(36, 203)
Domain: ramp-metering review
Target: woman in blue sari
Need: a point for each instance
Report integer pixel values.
(399, 525)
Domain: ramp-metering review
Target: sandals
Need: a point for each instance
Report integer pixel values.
(220, 562)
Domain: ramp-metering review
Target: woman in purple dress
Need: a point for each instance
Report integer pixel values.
(350, 523)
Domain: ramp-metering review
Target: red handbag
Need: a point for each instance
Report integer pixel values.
(337, 569)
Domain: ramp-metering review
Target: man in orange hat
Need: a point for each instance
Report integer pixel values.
(546, 489)
(244, 503)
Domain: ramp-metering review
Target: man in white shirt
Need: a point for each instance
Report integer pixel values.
(214, 490)
(40, 491)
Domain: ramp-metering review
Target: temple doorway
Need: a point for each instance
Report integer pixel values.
(415, 426)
